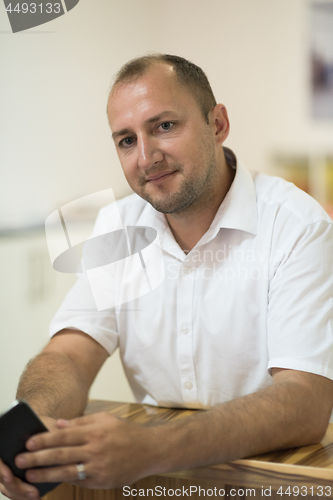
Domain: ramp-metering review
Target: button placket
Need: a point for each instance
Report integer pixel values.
(184, 329)
(184, 337)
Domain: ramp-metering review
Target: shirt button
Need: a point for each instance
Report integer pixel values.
(188, 385)
(188, 270)
(184, 329)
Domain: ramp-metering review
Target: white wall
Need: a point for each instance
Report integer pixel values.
(55, 143)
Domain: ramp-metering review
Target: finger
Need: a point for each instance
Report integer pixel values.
(63, 424)
(51, 456)
(20, 495)
(5, 472)
(80, 421)
(13, 487)
(61, 437)
(92, 419)
(65, 473)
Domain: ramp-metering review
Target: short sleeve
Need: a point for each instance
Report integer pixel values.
(300, 308)
(79, 311)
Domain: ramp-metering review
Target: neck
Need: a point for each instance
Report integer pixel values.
(189, 225)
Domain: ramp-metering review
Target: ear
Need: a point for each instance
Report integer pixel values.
(221, 123)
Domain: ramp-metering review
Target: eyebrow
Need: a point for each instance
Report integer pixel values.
(153, 119)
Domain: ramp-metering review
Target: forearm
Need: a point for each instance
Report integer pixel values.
(52, 386)
(281, 416)
(293, 412)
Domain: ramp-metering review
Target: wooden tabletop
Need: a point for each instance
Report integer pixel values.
(310, 467)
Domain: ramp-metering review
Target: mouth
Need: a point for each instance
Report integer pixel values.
(160, 176)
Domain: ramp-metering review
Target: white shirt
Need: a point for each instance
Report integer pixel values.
(254, 293)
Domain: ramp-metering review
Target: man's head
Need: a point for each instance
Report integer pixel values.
(167, 140)
(188, 75)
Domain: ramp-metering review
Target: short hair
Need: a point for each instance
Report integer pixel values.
(188, 74)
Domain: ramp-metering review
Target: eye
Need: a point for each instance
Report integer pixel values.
(166, 125)
(127, 142)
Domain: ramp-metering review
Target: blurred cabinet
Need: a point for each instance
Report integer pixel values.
(312, 173)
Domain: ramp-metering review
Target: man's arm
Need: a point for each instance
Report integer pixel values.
(56, 384)
(57, 381)
(294, 411)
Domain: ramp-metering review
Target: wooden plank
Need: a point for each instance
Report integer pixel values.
(166, 487)
(310, 467)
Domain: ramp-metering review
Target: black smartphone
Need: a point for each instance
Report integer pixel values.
(17, 425)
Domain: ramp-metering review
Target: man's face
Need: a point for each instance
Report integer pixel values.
(166, 148)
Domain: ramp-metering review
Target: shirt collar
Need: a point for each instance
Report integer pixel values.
(237, 211)
(239, 207)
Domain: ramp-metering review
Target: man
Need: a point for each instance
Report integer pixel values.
(241, 325)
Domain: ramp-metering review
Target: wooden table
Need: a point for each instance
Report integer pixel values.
(301, 473)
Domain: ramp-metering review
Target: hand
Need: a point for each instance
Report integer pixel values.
(14, 488)
(114, 452)
(49, 422)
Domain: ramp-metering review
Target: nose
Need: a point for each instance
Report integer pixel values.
(149, 152)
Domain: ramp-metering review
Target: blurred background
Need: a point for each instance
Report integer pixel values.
(265, 62)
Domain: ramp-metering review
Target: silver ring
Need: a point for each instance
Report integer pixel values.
(81, 473)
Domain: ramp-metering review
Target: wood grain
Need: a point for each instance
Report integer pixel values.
(310, 467)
